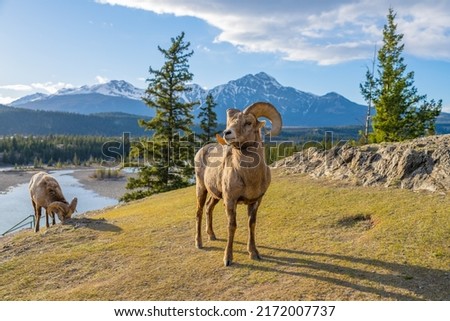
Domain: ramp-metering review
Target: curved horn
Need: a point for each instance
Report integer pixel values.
(57, 206)
(267, 110)
(60, 208)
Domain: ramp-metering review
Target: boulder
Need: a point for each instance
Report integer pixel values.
(419, 164)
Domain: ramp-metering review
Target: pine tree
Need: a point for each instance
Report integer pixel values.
(208, 119)
(170, 152)
(76, 160)
(401, 113)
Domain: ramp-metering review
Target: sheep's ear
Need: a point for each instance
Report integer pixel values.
(220, 140)
(231, 112)
(261, 124)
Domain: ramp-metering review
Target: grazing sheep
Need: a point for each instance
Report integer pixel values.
(46, 193)
(235, 172)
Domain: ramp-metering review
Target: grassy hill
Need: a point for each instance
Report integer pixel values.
(319, 241)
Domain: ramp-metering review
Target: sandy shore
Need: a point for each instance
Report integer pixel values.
(13, 178)
(113, 188)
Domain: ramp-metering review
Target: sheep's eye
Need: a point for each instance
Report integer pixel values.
(248, 123)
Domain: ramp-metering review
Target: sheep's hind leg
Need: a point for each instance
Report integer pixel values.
(201, 199)
(210, 204)
(251, 245)
(37, 217)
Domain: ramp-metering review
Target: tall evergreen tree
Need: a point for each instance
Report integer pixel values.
(208, 119)
(401, 113)
(169, 154)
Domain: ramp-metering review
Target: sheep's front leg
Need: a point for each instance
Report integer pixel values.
(201, 199)
(46, 218)
(232, 225)
(52, 215)
(251, 245)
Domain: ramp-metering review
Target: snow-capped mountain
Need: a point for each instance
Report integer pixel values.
(115, 88)
(113, 96)
(28, 99)
(297, 108)
(262, 87)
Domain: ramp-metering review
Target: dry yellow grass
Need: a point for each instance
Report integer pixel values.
(319, 241)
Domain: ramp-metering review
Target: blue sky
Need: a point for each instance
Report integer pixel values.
(314, 46)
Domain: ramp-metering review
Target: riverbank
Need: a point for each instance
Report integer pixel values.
(112, 188)
(12, 178)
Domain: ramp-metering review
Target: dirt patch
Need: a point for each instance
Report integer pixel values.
(362, 221)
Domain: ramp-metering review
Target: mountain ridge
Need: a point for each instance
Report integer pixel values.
(115, 88)
(298, 108)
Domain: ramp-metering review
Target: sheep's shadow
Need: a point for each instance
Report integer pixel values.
(94, 224)
(212, 248)
(386, 279)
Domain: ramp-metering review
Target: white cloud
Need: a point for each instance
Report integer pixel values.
(6, 100)
(101, 80)
(17, 87)
(20, 90)
(203, 48)
(48, 87)
(427, 29)
(326, 32)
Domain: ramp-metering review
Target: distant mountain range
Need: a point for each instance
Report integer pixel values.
(297, 108)
(114, 88)
(114, 96)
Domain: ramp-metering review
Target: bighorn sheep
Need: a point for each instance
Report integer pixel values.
(46, 193)
(235, 171)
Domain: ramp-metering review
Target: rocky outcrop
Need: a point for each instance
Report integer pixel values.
(420, 164)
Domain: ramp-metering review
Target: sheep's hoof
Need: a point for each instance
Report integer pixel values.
(198, 245)
(212, 237)
(255, 255)
(227, 262)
